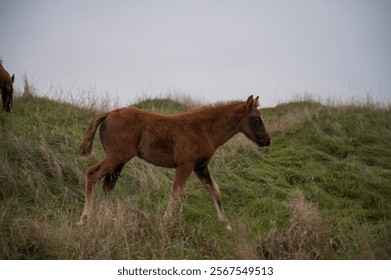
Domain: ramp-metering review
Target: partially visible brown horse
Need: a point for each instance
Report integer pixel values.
(184, 141)
(6, 88)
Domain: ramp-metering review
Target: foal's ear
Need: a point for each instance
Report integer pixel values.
(250, 101)
(256, 102)
(13, 78)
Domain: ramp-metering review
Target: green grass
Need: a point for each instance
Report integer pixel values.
(322, 190)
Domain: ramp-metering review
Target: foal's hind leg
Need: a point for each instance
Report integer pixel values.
(213, 189)
(109, 182)
(94, 173)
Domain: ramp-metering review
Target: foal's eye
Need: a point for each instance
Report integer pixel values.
(257, 122)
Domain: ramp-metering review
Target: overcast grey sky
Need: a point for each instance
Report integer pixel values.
(211, 50)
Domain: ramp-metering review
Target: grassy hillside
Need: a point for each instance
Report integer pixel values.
(322, 190)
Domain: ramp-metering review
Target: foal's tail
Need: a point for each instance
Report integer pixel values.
(86, 144)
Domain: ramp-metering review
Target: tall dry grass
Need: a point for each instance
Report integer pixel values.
(305, 237)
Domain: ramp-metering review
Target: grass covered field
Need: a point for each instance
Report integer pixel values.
(322, 190)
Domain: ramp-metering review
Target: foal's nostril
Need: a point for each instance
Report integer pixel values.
(264, 143)
(268, 142)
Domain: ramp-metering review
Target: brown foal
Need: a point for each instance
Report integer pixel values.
(184, 141)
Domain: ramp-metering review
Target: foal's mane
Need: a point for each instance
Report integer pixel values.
(220, 106)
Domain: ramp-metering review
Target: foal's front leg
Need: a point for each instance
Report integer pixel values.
(213, 189)
(182, 173)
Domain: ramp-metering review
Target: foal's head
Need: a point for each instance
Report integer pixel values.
(252, 125)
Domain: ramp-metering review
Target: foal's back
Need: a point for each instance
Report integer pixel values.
(163, 140)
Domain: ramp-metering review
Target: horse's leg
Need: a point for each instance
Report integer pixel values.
(109, 183)
(213, 189)
(4, 99)
(94, 173)
(182, 173)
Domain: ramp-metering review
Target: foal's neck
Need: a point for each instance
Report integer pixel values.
(225, 122)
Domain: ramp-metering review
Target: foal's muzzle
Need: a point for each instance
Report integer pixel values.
(265, 142)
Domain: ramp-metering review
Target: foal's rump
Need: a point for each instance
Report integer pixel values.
(127, 132)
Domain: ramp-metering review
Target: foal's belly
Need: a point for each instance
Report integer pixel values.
(158, 158)
(158, 148)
